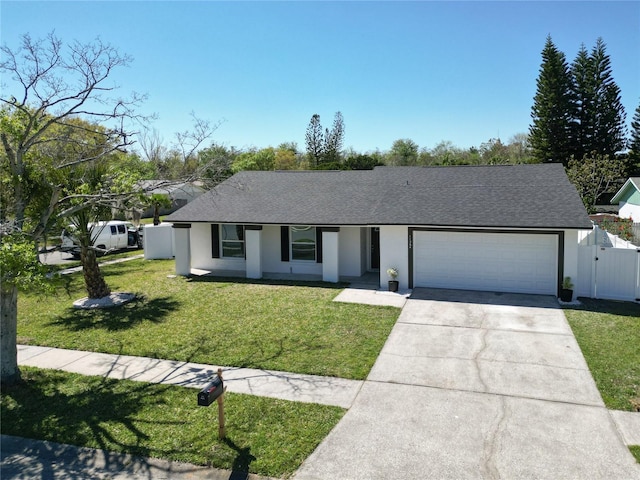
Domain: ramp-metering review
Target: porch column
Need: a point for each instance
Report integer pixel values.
(182, 239)
(330, 255)
(253, 250)
(570, 254)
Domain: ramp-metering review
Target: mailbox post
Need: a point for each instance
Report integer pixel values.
(221, 428)
(215, 391)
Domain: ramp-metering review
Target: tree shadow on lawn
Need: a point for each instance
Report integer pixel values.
(118, 318)
(267, 281)
(613, 307)
(101, 413)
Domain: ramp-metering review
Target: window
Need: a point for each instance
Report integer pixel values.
(232, 240)
(303, 243)
(122, 229)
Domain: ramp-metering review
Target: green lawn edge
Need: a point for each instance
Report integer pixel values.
(265, 436)
(608, 333)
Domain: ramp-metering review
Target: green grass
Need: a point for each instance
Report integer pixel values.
(635, 451)
(264, 436)
(609, 336)
(293, 328)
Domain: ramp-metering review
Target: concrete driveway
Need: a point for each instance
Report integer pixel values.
(476, 385)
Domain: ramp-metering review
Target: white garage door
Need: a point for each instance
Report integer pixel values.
(501, 262)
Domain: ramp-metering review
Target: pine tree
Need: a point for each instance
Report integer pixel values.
(325, 148)
(334, 139)
(583, 126)
(634, 144)
(609, 116)
(314, 141)
(553, 108)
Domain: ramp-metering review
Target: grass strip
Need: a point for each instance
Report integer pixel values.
(264, 436)
(233, 322)
(635, 451)
(608, 333)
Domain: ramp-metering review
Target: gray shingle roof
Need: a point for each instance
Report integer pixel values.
(512, 196)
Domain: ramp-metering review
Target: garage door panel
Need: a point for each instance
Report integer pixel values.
(525, 263)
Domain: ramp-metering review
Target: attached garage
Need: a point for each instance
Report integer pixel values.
(507, 228)
(521, 262)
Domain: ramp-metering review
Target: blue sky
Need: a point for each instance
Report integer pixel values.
(430, 71)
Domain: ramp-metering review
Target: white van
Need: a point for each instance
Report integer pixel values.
(109, 236)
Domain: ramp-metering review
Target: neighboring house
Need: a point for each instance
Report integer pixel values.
(180, 193)
(507, 228)
(628, 197)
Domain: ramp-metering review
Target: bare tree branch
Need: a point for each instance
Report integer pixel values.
(190, 140)
(56, 87)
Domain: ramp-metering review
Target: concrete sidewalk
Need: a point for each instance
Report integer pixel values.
(22, 458)
(67, 271)
(476, 385)
(267, 383)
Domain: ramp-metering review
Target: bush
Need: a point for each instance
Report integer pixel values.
(623, 227)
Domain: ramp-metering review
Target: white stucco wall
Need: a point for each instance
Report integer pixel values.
(253, 248)
(200, 245)
(330, 256)
(182, 240)
(351, 247)
(571, 257)
(629, 210)
(351, 254)
(271, 259)
(394, 252)
(201, 251)
(271, 250)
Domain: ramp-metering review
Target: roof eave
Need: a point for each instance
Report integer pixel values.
(629, 183)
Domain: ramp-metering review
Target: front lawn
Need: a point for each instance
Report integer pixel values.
(609, 336)
(234, 322)
(264, 436)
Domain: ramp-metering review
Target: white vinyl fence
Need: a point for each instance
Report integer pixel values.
(608, 272)
(635, 229)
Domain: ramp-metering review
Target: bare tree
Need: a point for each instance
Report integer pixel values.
(190, 140)
(152, 145)
(52, 86)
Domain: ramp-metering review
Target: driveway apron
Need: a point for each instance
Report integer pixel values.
(476, 385)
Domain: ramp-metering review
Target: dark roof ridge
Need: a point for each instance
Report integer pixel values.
(485, 165)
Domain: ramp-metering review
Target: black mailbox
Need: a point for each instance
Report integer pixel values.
(210, 392)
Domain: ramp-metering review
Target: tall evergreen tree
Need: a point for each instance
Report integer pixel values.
(314, 140)
(609, 136)
(334, 139)
(553, 108)
(634, 144)
(324, 149)
(583, 126)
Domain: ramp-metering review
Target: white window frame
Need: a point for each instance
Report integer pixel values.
(224, 241)
(292, 242)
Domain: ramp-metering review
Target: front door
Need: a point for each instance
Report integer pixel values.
(375, 248)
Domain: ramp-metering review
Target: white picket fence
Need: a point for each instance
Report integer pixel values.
(609, 273)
